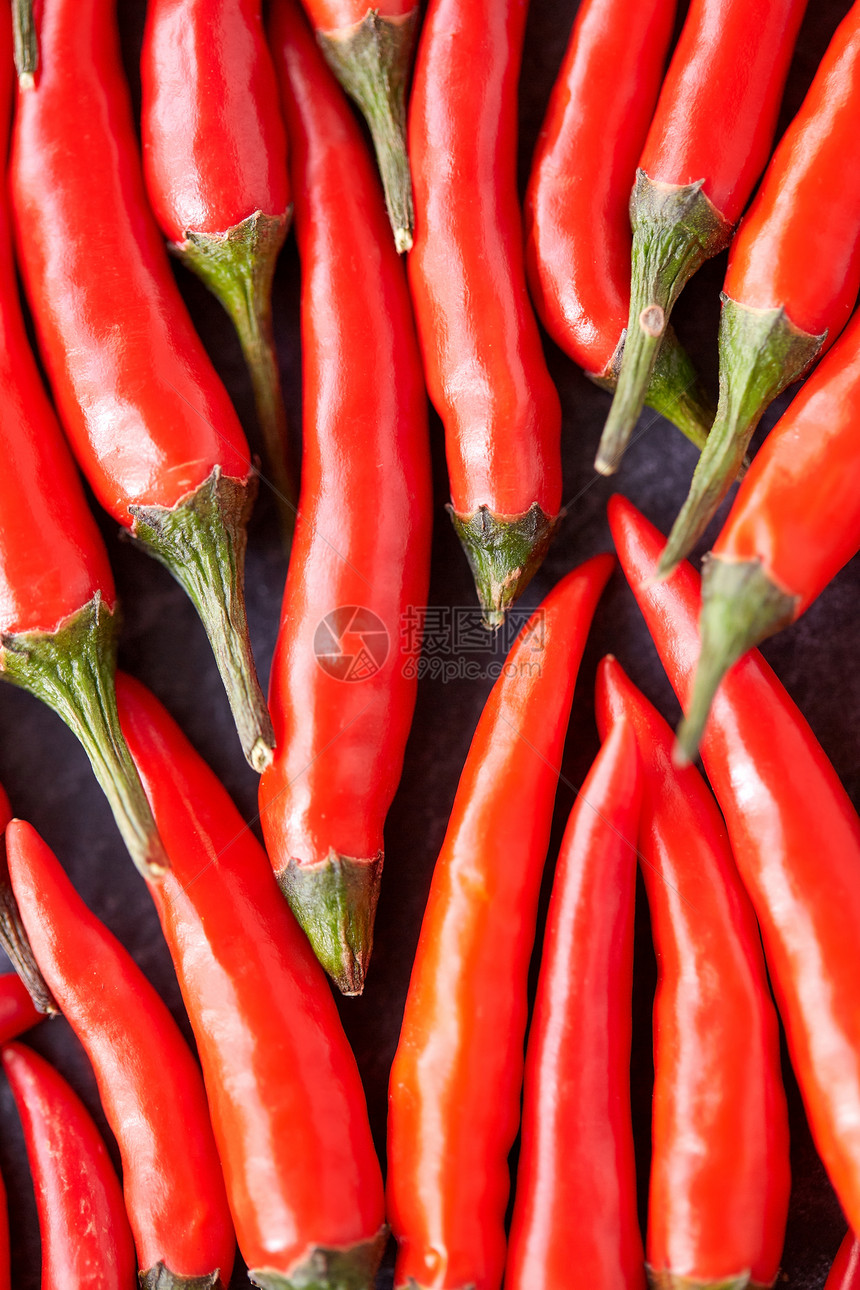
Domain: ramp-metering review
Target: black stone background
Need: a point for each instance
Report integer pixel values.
(49, 782)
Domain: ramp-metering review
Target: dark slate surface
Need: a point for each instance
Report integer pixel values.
(49, 782)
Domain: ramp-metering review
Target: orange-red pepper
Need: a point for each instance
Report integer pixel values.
(709, 141)
(794, 524)
(215, 165)
(285, 1096)
(575, 1207)
(454, 1096)
(343, 676)
(796, 840)
(86, 1240)
(792, 279)
(148, 420)
(369, 49)
(576, 214)
(719, 1141)
(149, 1083)
(483, 359)
(58, 605)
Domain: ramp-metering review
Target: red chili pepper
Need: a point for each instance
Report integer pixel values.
(796, 840)
(575, 1210)
(454, 1095)
(369, 49)
(86, 1240)
(149, 421)
(58, 620)
(709, 141)
(793, 276)
(24, 997)
(343, 678)
(483, 359)
(794, 524)
(720, 1174)
(576, 214)
(215, 165)
(149, 1084)
(17, 1011)
(286, 1100)
(845, 1272)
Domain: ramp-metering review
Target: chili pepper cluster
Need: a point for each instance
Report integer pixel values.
(420, 272)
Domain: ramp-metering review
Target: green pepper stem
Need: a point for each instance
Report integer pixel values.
(675, 229)
(323, 1268)
(741, 606)
(371, 60)
(160, 1277)
(504, 554)
(26, 42)
(761, 352)
(202, 542)
(335, 903)
(238, 267)
(72, 669)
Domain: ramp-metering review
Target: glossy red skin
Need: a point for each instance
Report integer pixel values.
(845, 1272)
(52, 558)
(284, 1092)
(454, 1095)
(720, 1175)
(577, 217)
(365, 508)
(146, 415)
(483, 359)
(329, 15)
(86, 1240)
(798, 247)
(718, 108)
(804, 476)
(780, 798)
(17, 1012)
(149, 1084)
(576, 1182)
(214, 146)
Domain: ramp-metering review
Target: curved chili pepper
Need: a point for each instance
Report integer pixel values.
(794, 524)
(720, 1173)
(576, 212)
(149, 422)
(215, 165)
(343, 677)
(285, 1097)
(575, 1207)
(793, 276)
(483, 360)
(369, 49)
(58, 606)
(149, 1084)
(86, 1240)
(708, 143)
(796, 840)
(454, 1096)
(845, 1272)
